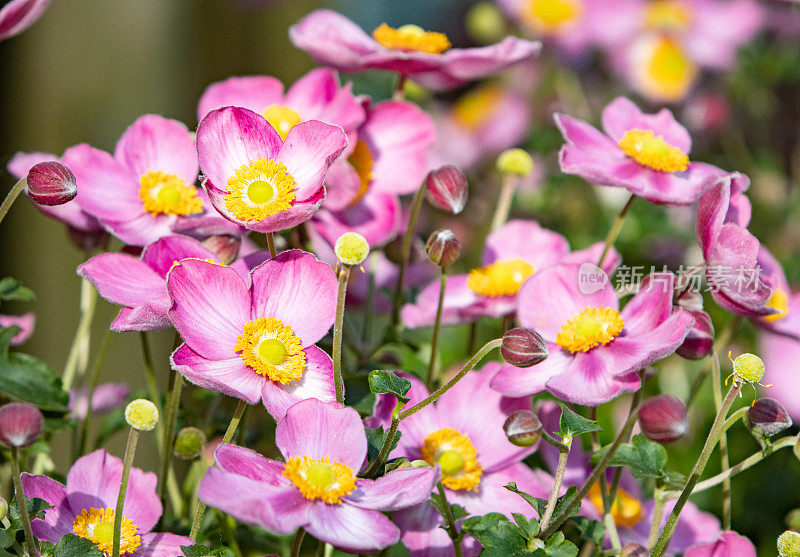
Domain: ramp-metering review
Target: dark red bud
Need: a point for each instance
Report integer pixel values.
(443, 247)
(51, 183)
(523, 428)
(688, 298)
(225, 247)
(700, 340)
(20, 424)
(523, 347)
(768, 417)
(633, 550)
(446, 188)
(663, 419)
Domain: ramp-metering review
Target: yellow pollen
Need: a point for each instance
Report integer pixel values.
(457, 457)
(271, 349)
(748, 367)
(259, 189)
(166, 194)
(411, 37)
(591, 327)
(552, 16)
(475, 108)
(780, 301)
(320, 478)
(361, 160)
(653, 151)
(501, 278)
(667, 15)
(97, 525)
(625, 510)
(282, 118)
(669, 71)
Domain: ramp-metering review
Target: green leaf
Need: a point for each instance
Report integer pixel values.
(645, 458)
(7, 537)
(536, 502)
(27, 379)
(572, 424)
(498, 536)
(529, 527)
(566, 500)
(458, 511)
(383, 382)
(12, 290)
(376, 437)
(75, 546)
(36, 508)
(557, 546)
(591, 530)
(203, 551)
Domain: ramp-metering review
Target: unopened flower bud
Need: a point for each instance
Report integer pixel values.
(515, 161)
(189, 443)
(485, 22)
(663, 419)
(700, 340)
(768, 417)
(20, 424)
(141, 414)
(633, 550)
(688, 298)
(523, 347)
(351, 248)
(446, 188)
(748, 367)
(413, 464)
(523, 428)
(789, 544)
(3, 508)
(443, 248)
(792, 520)
(51, 183)
(226, 247)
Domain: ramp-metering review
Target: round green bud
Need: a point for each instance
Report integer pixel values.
(515, 161)
(351, 248)
(189, 443)
(485, 22)
(141, 414)
(749, 368)
(789, 544)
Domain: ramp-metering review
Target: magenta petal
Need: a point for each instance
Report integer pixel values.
(317, 429)
(621, 115)
(396, 490)
(161, 255)
(210, 306)
(231, 377)
(123, 279)
(155, 143)
(151, 316)
(298, 290)
(517, 381)
(587, 138)
(352, 529)
(317, 382)
(471, 63)
(24, 322)
(255, 93)
(526, 240)
(248, 463)
(376, 216)
(58, 520)
(18, 15)
(651, 306)
(589, 379)
(162, 545)
(319, 95)
(727, 544)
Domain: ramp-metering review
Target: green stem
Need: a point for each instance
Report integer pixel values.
(297, 542)
(11, 197)
(399, 90)
(658, 514)
(169, 433)
(271, 244)
(152, 386)
(450, 521)
(384, 452)
(78, 352)
(722, 340)
(405, 253)
(554, 442)
(370, 301)
(94, 379)
(716, 379)
(130, 450)
(344, 276)
(30, 541)
(615, 229)
(551, 502)
(713, 436)
(436, 327)
(507, 189)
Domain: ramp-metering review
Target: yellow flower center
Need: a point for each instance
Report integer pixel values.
(362, 161)
(457, 457)
(653, 151)
(591, 327)
(271, 349)
(411, 37)
(669, 71)
(780, 301)
(166, 194)
(320, 478)
(501, 278)
(282, 118)
(552, 16)
(97, 525)
(260, 189)
(667, 15)
(472, 110)
(625, 510)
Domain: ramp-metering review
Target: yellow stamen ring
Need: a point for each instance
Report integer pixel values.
(626, 510)
(166, 194)
(320, 478)
(591, 327)
(260, 189)
(653, 151)
(457, 457)
(97, 525)
(501, 278)
(411, 37)
(271, 349)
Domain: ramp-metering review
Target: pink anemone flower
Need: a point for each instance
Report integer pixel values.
(647, 154)
(256, 179)
(468, 443)
(781, 354)
(316, 488)
(333, 40)
(254, 340)
(512, 254)
(595, 349)
(140, 283)
(18, 15)
(85, 507)
(24, 322)
(785, 302)
(727, 544)
(105, 398)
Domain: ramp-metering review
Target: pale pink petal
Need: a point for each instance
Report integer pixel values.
(319, 95)
(142, 229)
(245, 462)
(352, 529)
(123, 279)
(317, 382)
(492, 497)
(24, 322)
(471, 63)
(164, 253)
(588, 380)
(526, 240)
(151, 316)
(155, 143)
(231, 377)
(255, 93)
(622, 115)
(423, 536)
(58, 520)
(162, 545)
(651, 306)
(396, 490)
(517, 381)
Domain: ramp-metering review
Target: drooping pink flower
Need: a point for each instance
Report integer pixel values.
(727, 544)
(18, 15)
(316, 488)
(85, 507)
(256, 179)
(780, 354)
(333, 40)
(512, 253)
(24, 322)
(255, 340)
(106, 397)
(783, 300)
(647, 154)
(595, 349)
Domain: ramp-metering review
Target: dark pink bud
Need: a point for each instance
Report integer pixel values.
(20, 424)
(768, 417)
(446, 188)
(700, 340)
(224, 246)
(688, 298)
(663, 419)
(633, 550)
(523, 347)
(523, 428)
(443, 247)
(51, 183)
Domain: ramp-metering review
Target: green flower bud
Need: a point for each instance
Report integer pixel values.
(515, 161)
(189, 443)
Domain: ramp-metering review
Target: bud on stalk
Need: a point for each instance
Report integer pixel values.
(225, 247)
(446, 188)
(700, 340)
(523, 428)
(189, 443)
(20, 424)
(443, 248)
(767, 417)
(633, 550)
(523, 347)
(51, 183)
(663, 419)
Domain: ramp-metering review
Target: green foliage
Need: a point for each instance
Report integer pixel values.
(203, 551)
(75, 546)
(376, 437)
(645, 458)
(572, 424)
(458, 511)
(501, 537)
(30, 380)
(383, 382)
(12, 290)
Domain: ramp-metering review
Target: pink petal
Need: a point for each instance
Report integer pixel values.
(589, 380)
(352, 529)
(21, 163)
(526, 240)
(162, 545)
(587, 138)
(419, 425)
(123, 279)
(422, 535)
(58, 520)
(516, 381)
(155, 143)
(376, 216)
(493, 497)
(231, 376)
(152, 316)
(396, 490)
(465, 64)
(650, 306)
(24, 322)
(163, 253)
(248, 463)
(18, 15)
(727, 544)
(622, 115)
(254, 93)
(317, 382)
(461, 304)
(319, 95)
(142, 229)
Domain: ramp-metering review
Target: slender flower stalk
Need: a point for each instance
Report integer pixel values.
(152, 386)
(723, 339)
(385, 448)
(77, 359)
(658, 513)
(30, 543)
(297, 542)
(94, 379)
(513, 165)
(344, 276)
(173, 403)
(716, 381)
(436, 327)
(563, 455)
(400, 89)
(450, 520)
(11, 197)
(615, 229)
(130, 450)
(508, 186)
(271, 244)
(405, 252)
